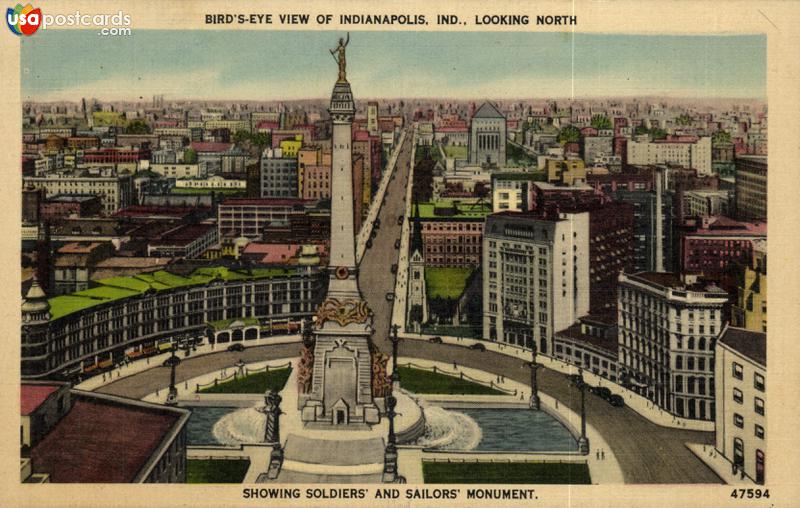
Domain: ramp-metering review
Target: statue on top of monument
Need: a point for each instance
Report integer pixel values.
(338, 54)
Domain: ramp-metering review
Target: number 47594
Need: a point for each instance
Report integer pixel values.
(749, 493)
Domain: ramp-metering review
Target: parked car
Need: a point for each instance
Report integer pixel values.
(172, 359)
(400, 220)
(616, 400)
(397, 244)
(394, 268)
(435, 340)
(377, 222)
(389, 297)
(601, 392)
(236, 347)
(369, 243)
(478, 347)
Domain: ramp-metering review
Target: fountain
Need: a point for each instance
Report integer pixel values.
(449, 430)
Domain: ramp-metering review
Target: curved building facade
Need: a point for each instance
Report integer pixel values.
(125, 317)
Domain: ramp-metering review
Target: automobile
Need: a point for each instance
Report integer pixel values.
(394, 268)
(236, 347)
(397, 244)
(389, 297)
(435, 340)
(616, 400)
(601, 391)
(169, 361)
(369, 243)
(400, 220)
(377, 222)
(478, 347)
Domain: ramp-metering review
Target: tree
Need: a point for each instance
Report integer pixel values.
(137, 127)
(641, 129)
(569, 134)
(684, 119)
(261, 139)
(241, 136)
(601, 122)
(720, 138)
(190, 156)
(657, 133)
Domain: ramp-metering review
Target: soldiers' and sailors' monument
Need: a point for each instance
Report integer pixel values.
(337, 387)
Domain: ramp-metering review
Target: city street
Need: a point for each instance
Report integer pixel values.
(647, 453)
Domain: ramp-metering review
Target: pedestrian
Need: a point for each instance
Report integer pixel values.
(556, 403)
(597, 454)
(602, 455)
(455, 367)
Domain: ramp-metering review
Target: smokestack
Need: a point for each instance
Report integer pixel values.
(659, 223)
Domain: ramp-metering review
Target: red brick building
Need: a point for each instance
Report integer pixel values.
(717, 244)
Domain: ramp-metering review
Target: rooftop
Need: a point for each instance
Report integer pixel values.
(752, 345)
(446, 209)
(115, 288)
(103, 439)
(31, 396)
(574, 332)
(488, 110)
(674, 281)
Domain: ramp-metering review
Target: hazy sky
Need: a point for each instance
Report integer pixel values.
(271, 65)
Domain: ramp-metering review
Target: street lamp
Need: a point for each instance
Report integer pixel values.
(172, 396)
(534, 402)
(395, 340)
(583, 442)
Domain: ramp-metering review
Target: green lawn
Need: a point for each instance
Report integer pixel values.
(448, 283)
(519, 472)
(259, 382)
(456, 152)
(216, 471)
(425, 381)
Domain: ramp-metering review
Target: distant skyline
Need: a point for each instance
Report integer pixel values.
(290, 65)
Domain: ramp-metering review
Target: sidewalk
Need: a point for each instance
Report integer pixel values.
(400, 291)
(719, 464)
(633, 400)
(377, 201)
(137, 366)
(602, 471)
(186, 389)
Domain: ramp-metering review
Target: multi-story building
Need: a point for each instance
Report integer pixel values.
(590, 344)
(750, 310)
(126, 316)
(751, 187)
(317, 182)
(487, 139)
(186, 241)
(115, 190)
(535, 276)
(128, 441)
(596, 147)
(647, 256)
(512, 191)
(667, 327)
(278, 175)
(566, 171)
(719, 243)
(691, 153)
(65, 205)
(451, 231)
(248, 217)
(741, 373)
(704, 203)
(199, 170)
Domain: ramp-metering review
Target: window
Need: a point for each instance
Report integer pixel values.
(737, 371)
(759, 406)
(758, 382)
(738, 396)
(738, 420)
(759, 432)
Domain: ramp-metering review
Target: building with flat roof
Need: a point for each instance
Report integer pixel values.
(741, 374)
(719, 243)
(74, 436)
(452, 232)
(590, 344)
(535, 277)
(667, 327)
(751, 187)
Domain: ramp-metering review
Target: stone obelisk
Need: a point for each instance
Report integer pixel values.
(340, 388)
